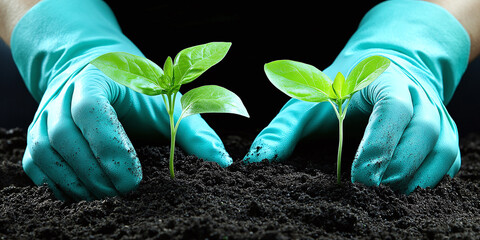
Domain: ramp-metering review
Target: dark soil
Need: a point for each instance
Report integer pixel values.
(297, 199)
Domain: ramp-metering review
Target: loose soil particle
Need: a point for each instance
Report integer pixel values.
(296, 199)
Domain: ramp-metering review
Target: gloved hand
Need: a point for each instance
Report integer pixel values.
(77, 142)
(410, 139)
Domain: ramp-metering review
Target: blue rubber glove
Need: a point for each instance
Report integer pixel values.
(77, 142)
(410, 139)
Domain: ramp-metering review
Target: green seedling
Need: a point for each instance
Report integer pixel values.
(144, 76)
(305, 82)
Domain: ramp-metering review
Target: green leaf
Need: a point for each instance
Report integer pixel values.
(135, 72)
(338, 83)
(300, 80)
(211, 99)
(191, 62)
(365, 73)
(168, 68)
(166, 81)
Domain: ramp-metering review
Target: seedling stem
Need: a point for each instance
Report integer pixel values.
(341, 113)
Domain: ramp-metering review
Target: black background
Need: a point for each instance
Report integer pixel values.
(262, 32)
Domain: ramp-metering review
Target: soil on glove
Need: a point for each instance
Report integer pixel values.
(296, 199)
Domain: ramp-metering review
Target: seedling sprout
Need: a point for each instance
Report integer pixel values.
(305, 82)
(144, 76)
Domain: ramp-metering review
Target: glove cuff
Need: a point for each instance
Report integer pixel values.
(55, 39)
(420, 37)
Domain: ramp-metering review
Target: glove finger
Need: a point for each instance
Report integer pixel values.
(444, 157)
(456, 165)
(196, 137)
(277, 141)
(39, 177)
(52, 164)
(97, 120)
(416, 143)
(391, 113)
(69, 142)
